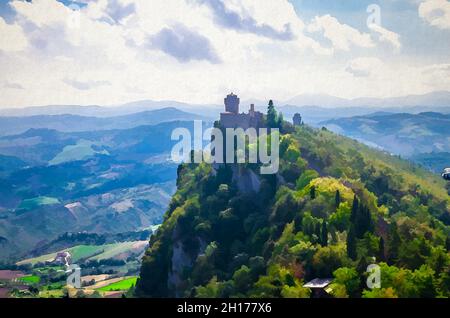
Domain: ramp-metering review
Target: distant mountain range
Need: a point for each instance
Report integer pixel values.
(435, 99)
(76, 123)
(313, 108)
(111, 111)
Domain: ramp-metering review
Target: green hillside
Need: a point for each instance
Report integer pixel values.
(335, 207)
(404, 134)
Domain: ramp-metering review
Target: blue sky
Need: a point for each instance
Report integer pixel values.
(197, 50)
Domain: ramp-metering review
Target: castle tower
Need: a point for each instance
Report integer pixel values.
(252, 110)
(232, 104)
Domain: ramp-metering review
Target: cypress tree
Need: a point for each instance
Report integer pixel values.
(337, 198)
(312, 192)
(351, 243)
(317, 231)
(355, 208)
(381, 253)
(324, 233)
(360, 223)
(271, 115)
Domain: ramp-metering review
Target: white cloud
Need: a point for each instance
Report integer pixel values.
(364, 66)
(436, 13)
(38, 11)
(102, 56)
(387, 36)
(12, 37)
(342, 36)
(437, 76)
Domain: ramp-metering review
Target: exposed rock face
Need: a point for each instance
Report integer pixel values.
(246, 180)
(180, 260)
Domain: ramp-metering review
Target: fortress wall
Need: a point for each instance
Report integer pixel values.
(229, 120)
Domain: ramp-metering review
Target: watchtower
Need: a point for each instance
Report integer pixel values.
(232, 104)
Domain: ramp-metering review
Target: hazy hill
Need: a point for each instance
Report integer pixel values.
(435, 99)
(76, 123)
(313, 107)
(403, 134)
(110, 111)
(334, 207)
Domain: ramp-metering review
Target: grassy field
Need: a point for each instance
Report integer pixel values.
(92, 252)
(58, 293)
(80, 252)
(29, 204)
(114, 250)
(32, 279)
(124, 284)
(80, 151)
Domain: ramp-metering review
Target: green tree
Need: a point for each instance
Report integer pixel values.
(351, 243)
(348, 278)
(312, 192)
(306, 178)
(272, 117)
(355, 208)
(317, 231)
(380, 293)
(242, 279)
(393, 244)
(329, 258)
(280, 121)
(337, 199)
(211, 290)
(324, 234)
(381, 253)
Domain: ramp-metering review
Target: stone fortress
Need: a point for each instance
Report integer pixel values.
(231, 118)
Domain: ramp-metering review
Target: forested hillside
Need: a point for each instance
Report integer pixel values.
(334, 207)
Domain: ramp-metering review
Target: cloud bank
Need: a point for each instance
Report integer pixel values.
(111, 52)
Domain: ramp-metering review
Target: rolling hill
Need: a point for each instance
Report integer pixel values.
(53, 182)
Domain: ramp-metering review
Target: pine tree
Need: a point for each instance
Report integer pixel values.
(337, 199)
(355, 208)
(360, 222)
(351, 243)
(324, 234)
(381, 253)
(361, 219)
(312, 192)
(271, 115)
(317, 230)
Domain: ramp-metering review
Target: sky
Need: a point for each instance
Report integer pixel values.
(99, 52)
